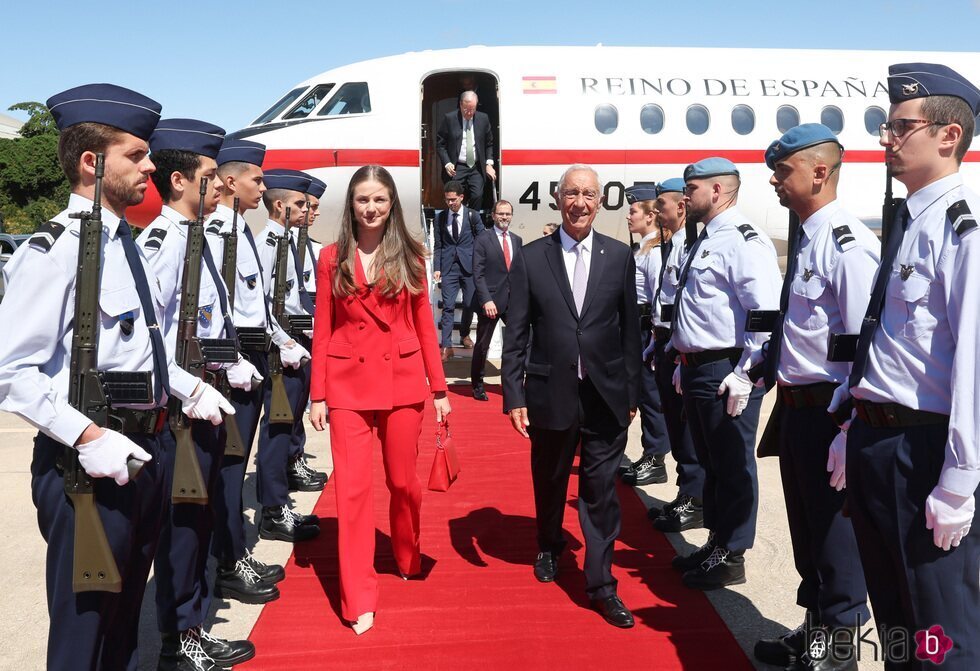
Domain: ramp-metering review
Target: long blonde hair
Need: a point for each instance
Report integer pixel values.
(662, 236)
(400, 261)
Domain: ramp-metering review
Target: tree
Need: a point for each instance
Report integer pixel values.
(32, 185)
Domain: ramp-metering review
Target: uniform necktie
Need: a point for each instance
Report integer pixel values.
(776, 339)
(251, 243)
(456, 226)
(682, 280)
(230, 331)
(580, 280)
(873, 316)
(304, 296)
(506, 251)
(470, 146)
(161, 377)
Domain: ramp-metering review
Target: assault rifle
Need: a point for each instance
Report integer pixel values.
(300, 323)
(234, 443)
(279, 410)
(889, 209)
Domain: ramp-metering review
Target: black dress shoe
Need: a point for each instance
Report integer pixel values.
(721, 569)
(648, 470)
(693, 560)
(242, 583)
(302, 478)
(270, 573)
(546, 567)
(825, 651)
(653, 512)
(688, 514)
(226, 653)
(183, 652)
(614, 612)
(781, 651)
(480, 395)
(279, 523)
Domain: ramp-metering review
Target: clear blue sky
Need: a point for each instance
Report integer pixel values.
(227, 61)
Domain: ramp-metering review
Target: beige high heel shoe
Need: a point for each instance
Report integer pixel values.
(364, 622)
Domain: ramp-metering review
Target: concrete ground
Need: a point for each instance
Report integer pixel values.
(763, 607)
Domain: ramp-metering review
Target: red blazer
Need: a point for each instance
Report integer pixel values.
(372, 352)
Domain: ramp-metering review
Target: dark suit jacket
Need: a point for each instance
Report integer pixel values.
(448, 250)
(449, 139)
(606, 335)
(490, 273)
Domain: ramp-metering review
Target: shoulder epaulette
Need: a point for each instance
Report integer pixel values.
(845, 239)
(46, 235)
(270, 241)
(747, 232)
(215, 226)
(962, 219)
(155, 238)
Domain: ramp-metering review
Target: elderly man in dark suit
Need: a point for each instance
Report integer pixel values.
(464, 143)
(494, 254)
(456, 228)
(571, 374)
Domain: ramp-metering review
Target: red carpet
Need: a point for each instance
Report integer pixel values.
(479, 606)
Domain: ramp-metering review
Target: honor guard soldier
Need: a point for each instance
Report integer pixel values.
(913, 457)
(831, 264)
(730, 269)
(285, 189)
(649, 468)
(103, 392)
(240, 575)
(301, 477)
(184, 151)
(685, 511)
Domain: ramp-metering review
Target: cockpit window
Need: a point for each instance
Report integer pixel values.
(351, 98)
(309, 102)
(280, 105)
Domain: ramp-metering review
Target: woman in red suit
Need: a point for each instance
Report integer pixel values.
(375, 363)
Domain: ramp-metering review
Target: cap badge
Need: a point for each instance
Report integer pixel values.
(910, 89)
(906, 271)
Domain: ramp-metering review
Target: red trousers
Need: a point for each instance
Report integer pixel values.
(352, 444)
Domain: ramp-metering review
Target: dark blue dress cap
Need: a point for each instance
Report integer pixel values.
(907, 81)
(316, 188)
(800, 137)
(710, 167)
(244, 151)
(641, 192)
(197, 137)
(672, 185)
(281, 178)
(106, 104)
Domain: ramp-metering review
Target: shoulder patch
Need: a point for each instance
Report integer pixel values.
(960, 216)
(215, 226)
(270, 241)
(843, 236)
(46, 235)
(154, 238)
(747, 232)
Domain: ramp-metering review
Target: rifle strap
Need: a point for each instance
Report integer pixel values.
(304, 296)
(222, 295)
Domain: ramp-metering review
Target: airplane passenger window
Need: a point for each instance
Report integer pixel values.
(743, 119)
(351, 98)
(309, 102)
(787, 117)
(874, 117)
(698, 119)
(280, 105)
(606, 118)
(651, 119)
(832, 118)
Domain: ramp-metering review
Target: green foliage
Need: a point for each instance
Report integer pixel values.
(32, 186)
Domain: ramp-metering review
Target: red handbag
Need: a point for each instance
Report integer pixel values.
(445, 465)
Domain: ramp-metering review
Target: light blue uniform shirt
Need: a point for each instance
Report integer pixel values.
(648, 264)
(925, 353)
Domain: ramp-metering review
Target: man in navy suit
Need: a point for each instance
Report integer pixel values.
(452, 264)
(571, 375)
(464, 143)
(495, 252)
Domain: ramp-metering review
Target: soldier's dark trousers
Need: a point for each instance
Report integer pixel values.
(912, 583)
(690, 473)
(297, 443)
(824, 548)
(272, 460)
(725, 446)
(180, 567)
(654, 427)
(229, 541)
(98, 630)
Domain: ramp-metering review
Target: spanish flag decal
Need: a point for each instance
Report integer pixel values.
(540, 84)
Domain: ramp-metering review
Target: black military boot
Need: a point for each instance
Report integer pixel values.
(226, 654)
(649, 470)
(183, 652)
(826, 652)
(279, 523)
(693, 560)
(784, 650)
(302, 478)
(720, 569)
(687, 514)
(270, 573)
(656, 511)
(242, 583)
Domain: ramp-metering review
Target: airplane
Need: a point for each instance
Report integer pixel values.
(636, 114)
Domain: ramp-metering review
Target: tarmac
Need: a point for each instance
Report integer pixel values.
(765, 606)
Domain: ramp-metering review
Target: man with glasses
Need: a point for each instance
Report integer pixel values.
(913, 454)
(571, 374)
(494, 253)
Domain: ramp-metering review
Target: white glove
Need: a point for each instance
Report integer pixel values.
(841, 394)
(648, 352)
(738, 389)
(243, 375)
(675, 379)
(309, 333)
(293, 356)
(949, 516)
(106, 456)
(837, 458)
(207, 403)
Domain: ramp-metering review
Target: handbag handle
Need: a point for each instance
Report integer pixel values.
(442, 432)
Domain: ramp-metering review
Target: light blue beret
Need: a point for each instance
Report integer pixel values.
(797, 138)
(672, 185)
(710, 167)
